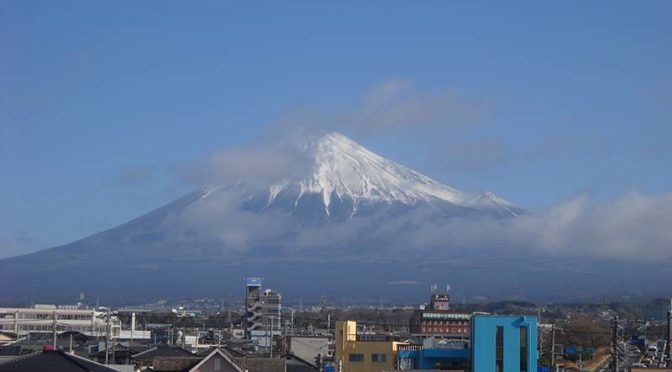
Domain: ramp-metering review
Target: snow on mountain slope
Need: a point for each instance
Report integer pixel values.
(342, 170)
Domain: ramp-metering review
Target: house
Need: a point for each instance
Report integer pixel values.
(294, 363)
(148, 357)
(119, 353)
(52, 360)
(217, 360)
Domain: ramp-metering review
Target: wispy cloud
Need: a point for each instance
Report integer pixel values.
(263, 161)
(404, 282)
(396, 104)
(135, 176)
(392, 107)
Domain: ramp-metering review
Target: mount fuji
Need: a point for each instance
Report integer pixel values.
(341, 180)
(337, 219)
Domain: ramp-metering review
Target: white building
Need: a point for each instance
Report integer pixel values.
(46, 318)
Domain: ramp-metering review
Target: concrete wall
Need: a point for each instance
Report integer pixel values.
(307, 347)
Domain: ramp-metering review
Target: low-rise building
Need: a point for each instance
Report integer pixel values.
(53, 360)
(434, 354)
(439, 320)
(361, 354)
(46, 318)
(308, 347)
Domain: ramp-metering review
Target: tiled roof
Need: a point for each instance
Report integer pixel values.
(163, 351)
(261, 364)
(175, 364)
(48, 361)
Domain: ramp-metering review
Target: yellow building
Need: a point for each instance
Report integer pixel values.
(362, 356)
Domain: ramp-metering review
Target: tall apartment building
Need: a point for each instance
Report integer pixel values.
(253, 306)
(263, 313)
(271, 305)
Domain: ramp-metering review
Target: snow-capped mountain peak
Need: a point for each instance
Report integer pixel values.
(340, 170)
(344, 169)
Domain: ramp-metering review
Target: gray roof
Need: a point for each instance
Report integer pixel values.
(48, 361)
(163, 351)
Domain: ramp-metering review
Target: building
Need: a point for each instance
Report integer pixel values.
(439, 320)
(263, 313)
(503, 343)
(253, 306)
(53, 360)
(46, 318)
(271, 306)
(434, 354)
(218, 359)
(357, 353)
(308, 347)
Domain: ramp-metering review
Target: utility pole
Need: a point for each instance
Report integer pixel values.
(229, 306)
(324, 307)
(580, 360)
(271, 339)
(553, 346)
(53, 327)
(107, 337)
(292, 322)
(132, 326)
(614, 343)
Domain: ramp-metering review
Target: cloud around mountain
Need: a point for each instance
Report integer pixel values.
(634, 226)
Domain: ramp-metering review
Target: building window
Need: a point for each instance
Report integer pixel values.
(379, 358)
(523, 349)
(355, 357)
(499, 345)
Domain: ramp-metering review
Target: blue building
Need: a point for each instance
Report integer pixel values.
(434, 354)
(503, 343)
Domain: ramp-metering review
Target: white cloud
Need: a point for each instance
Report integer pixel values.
(634, 227)
(396, 105)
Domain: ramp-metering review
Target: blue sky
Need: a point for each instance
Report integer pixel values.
(102, 103)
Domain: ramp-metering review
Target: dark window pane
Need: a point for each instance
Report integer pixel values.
(499, 344)
(523, 349)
